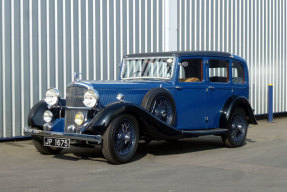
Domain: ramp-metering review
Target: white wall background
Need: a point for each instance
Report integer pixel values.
(252, 29)
(43, 41)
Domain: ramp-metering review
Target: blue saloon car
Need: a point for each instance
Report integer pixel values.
(159, 96)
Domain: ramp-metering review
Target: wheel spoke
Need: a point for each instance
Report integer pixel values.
(124, 139)
(161, 108)
(119, 142)
(238, 127)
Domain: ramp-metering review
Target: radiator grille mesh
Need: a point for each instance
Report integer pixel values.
(75, 96)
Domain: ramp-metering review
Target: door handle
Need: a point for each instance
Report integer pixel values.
(211, 87)
(178, 87)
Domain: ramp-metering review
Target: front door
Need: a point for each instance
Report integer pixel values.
(190, 94)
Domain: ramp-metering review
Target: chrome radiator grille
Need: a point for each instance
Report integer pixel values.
(75, 96)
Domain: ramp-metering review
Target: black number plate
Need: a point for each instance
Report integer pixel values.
(57, 142)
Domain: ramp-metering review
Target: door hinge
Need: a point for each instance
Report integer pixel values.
(206, 118)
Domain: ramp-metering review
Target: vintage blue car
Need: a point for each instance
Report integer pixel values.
(159, 96)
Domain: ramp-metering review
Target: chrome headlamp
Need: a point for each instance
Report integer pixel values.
(48, 116)
(52, 96)
(91, 98)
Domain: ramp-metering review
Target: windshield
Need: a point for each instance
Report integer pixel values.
(148, 68)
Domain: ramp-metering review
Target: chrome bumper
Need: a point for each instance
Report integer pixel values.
(81, 137)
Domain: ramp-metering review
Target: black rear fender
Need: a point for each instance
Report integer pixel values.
(233, 103)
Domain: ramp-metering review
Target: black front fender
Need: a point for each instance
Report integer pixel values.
(148, 123)
(232, 103)
(35, 117)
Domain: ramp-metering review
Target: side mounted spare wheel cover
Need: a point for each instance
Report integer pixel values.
(160, 103)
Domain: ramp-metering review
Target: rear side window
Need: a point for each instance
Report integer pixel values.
(218, 71)
(237, 73)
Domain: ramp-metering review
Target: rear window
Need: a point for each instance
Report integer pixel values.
(218, 71)
(237, 73)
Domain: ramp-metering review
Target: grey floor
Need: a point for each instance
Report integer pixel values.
(197, 164)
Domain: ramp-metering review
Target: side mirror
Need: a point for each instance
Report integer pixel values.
(183, 64)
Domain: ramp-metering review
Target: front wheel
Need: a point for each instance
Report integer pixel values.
(120, 140)
(237, 126)
(38, 143)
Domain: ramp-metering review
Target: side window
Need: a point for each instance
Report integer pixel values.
(191, 70)
(218, 71)
(237, 73)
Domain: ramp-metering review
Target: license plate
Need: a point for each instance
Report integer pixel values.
(56, 142)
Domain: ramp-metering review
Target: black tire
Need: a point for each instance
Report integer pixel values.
(38, 143)
(120, 141)
(237, 126)
(160, 103)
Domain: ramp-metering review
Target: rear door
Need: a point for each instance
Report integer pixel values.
(219, 88)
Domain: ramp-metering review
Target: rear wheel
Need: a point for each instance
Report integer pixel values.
(237, 126)
(120, 140)
(38, 143)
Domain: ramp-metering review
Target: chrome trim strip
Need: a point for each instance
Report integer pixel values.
(79, 84)
(78, 108)
(83, 137)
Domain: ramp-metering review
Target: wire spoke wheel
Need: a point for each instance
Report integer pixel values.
(160, 103)
(237, 126)
(120, 140)
(124, 137)
(162, 109)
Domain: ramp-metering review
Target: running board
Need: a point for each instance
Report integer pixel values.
(202, 132)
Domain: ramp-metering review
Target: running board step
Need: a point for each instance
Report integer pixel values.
(202, 132)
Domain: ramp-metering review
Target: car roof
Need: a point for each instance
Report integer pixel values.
(186, 53)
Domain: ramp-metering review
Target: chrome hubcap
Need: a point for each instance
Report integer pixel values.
(163, 113)
(127, 139)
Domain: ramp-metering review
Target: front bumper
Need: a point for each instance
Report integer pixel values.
(73, 136)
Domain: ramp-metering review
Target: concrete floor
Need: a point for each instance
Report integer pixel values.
(197, 164)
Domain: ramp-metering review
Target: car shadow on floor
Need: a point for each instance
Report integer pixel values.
(156, 148)
(173, 147)
(170, 147)
(78, 153)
